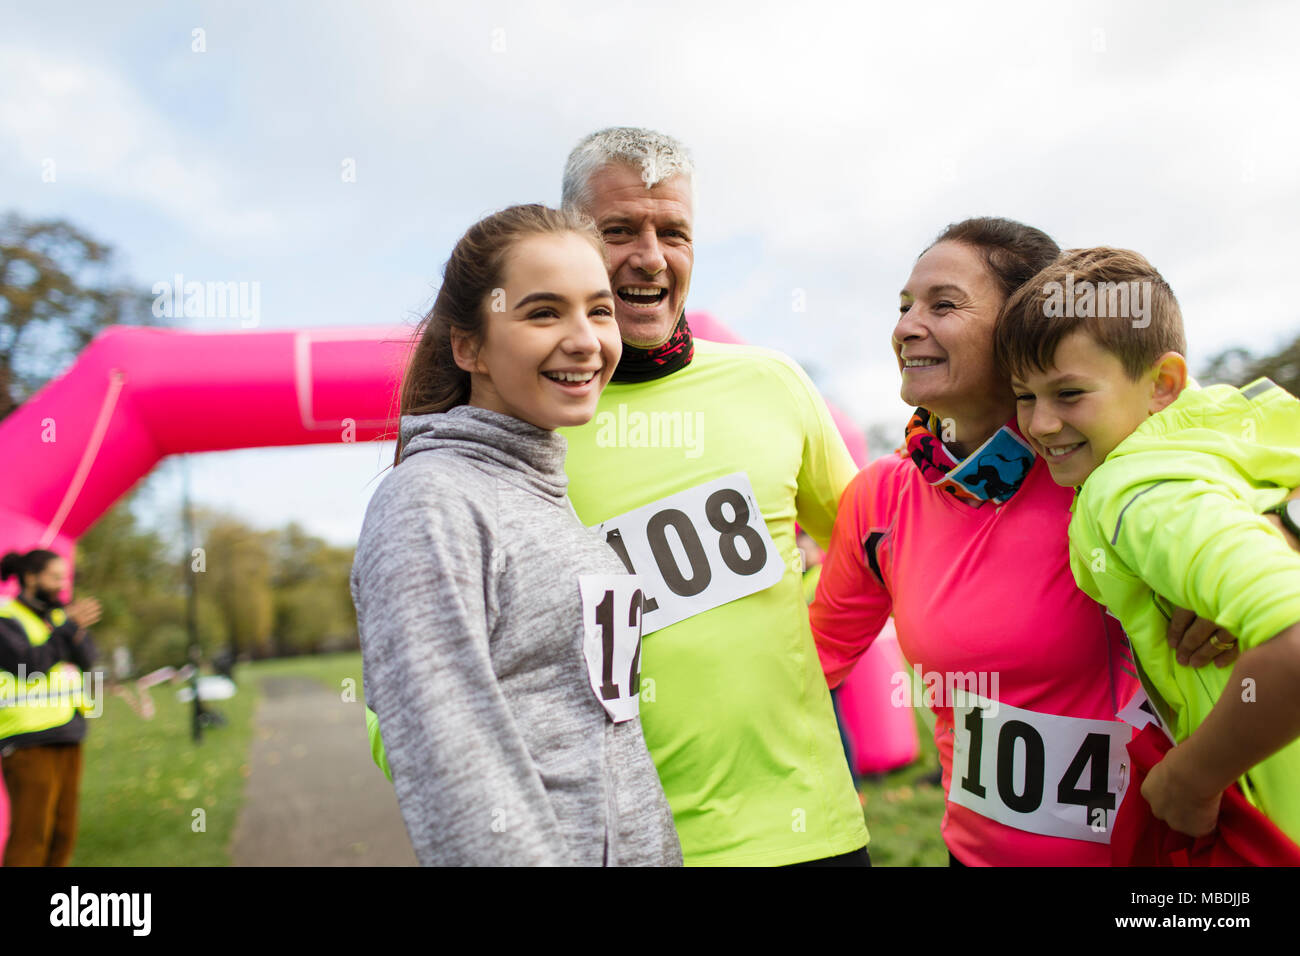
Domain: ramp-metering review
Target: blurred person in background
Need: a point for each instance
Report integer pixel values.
(42, 721)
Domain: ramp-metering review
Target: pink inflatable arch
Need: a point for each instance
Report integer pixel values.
(882, 735)
(136, 395)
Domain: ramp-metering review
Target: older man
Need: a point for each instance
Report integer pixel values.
(698, 463)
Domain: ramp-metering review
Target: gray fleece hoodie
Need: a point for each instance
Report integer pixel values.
(466, 589)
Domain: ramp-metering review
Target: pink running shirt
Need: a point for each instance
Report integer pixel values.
(988, 590)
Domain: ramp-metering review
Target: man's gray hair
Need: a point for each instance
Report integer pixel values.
(657, 156)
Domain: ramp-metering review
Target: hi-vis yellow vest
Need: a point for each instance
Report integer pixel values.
(39, 701)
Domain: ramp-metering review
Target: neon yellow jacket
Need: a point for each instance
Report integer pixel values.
(41, 701)
(740, 726)
(1172, 517)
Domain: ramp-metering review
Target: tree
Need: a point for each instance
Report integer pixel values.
(1237, 366)
(260, 593)
(57, 291)
(238, 580)
(138, 578)
(313, 602)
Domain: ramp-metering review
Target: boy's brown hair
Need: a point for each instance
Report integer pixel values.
(1100, 291)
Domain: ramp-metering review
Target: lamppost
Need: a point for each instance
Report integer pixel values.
(192, 607)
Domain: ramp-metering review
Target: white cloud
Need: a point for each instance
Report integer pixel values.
(105, 137)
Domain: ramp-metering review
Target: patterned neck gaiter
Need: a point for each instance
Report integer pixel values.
(993, 472)
(643, 365)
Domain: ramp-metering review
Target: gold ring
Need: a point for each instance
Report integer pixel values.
(1219, 645)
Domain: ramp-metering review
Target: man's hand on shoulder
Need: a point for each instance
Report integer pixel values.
(1197, 641)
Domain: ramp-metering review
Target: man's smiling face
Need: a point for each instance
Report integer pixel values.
(649, 235)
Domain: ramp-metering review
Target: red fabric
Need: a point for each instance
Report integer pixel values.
(1244, 836)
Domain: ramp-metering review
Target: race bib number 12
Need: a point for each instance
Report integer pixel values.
(1058, 776)
(611, 640)
(697, 549)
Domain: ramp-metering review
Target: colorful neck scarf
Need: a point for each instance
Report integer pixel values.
(642, 365)
(993, 472)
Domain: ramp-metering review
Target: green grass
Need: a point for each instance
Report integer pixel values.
(142, 779)
(330, 669)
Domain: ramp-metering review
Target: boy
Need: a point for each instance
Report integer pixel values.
(1174, 482)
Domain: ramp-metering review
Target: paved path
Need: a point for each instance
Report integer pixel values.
(315, 796)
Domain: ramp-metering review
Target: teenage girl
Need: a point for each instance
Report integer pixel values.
(500, 638)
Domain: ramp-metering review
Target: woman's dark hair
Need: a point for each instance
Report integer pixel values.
(433, 381)
(1014, 252)
(19, 565)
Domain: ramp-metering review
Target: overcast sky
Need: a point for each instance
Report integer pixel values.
(833, 141)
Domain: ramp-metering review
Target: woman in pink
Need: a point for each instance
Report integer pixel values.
(962, 537)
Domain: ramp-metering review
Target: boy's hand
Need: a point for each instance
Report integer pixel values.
(1190, 637)
(1177, 799)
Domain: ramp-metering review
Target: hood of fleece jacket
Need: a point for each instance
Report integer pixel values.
(529, 457)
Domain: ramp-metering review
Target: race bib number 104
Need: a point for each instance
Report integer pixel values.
(697, 549)
(1058, 776)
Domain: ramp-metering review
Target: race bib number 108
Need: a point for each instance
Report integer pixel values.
(1058, 776)
(697, 549)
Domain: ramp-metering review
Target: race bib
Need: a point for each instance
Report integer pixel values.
(697, 549)
(1141, 708)
(1058, 776)
(611, 640)
(1139, 712)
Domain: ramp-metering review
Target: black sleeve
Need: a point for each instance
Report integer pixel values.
(82, 654)
(16, 650)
